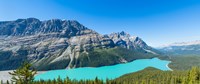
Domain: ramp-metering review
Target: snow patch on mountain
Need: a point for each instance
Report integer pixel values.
(197, 42)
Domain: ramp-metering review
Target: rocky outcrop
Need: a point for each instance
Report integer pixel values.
(55, 44)
(127, 41)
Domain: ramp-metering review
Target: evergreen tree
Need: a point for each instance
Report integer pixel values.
(23, 75)
(7, 82)
(193, 75)
(1, 82)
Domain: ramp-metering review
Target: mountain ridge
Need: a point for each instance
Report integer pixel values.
(58, 44)
(196, 42)
(182, 48)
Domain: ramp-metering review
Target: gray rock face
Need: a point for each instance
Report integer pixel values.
(127, 41)
(32, 26)
(55, 42)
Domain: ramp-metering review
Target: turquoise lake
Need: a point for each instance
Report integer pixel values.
(104, 72)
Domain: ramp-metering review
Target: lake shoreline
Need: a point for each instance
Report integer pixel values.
(102, 72)
(6, 76)
(169, 67)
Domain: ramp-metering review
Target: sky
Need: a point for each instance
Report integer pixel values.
(157, 22)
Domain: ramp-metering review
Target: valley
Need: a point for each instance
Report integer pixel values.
(99, 42)
(65, 48)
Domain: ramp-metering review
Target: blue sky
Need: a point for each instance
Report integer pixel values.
(157, 22)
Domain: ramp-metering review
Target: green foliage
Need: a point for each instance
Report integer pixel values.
(23, 75)
(1, 82)
(194, 75)
(68, 81)
(184, 62)
(7, 82)
(152, 75)
(147, 76)
(155, 76)
(46, 65)
(110, 56)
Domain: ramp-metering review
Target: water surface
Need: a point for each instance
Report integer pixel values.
(104, 72)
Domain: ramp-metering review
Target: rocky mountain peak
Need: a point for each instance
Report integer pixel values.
(120, 34)
(123, 33)
(126, 40)
(33, 26)
(49, 43)
(28, 20)
(32, 20)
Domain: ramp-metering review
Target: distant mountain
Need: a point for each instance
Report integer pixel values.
(184, 48)
(58, 44)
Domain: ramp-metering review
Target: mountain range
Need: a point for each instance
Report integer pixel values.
(182, 48)
(59, 44)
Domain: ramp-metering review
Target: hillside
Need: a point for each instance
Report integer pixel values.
(155, 76)
(184, 62)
